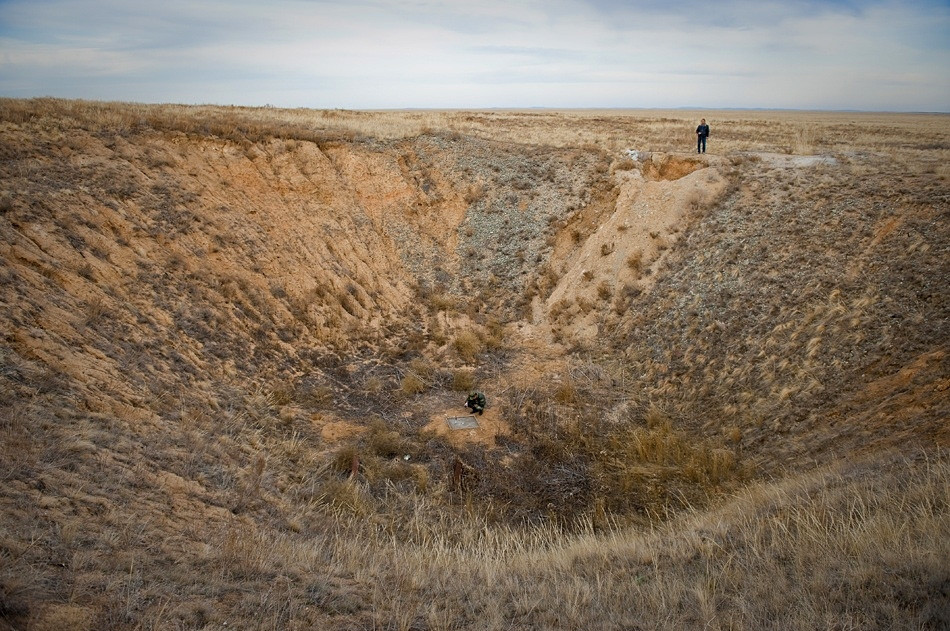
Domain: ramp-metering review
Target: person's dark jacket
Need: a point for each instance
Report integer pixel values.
(475, 402)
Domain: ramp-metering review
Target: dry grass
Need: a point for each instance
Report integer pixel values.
(853, 546)
(804, 133)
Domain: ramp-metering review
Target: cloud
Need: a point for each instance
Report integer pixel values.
(863, 54)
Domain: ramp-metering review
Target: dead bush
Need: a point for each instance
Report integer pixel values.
(422, 367)
(314, 395)
(282, 394)
(346, 496)
(385, 442)
(442, 301)
(373, 385)
(566, 393)
(468, 345)
(474, 194)
(495, 335)
(343, 459)
(635, 261)
(411, 385)
(656, 418)
(463, 380)
(559, 308)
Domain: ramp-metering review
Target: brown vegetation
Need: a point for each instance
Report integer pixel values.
(718, 387)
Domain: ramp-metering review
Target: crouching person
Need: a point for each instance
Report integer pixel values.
(475, 402)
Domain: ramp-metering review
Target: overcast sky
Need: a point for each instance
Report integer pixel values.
(368, 54)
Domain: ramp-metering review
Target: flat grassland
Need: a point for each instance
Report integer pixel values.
(718, 385)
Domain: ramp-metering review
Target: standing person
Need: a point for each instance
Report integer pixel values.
(702, 133)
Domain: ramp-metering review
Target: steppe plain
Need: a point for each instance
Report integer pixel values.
(718, 385)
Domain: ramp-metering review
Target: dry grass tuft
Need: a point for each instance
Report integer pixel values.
(635, 262)
(468, 345)
(411, 385)
(463, 380)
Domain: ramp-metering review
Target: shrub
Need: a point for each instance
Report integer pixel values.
(463, 380)
(446, 302)
(384, 442)
(475, 193)
(411, 385)
(347, 497)
(343, 459)
(87, 272)
(566, 393)
(467, 344)
(314, 395)
(373, 385)
(282, 394)
(422, 367)
(559, 308)
(495, 337)
(711, 466)
(96, 311)
(635, 261)
(657, 419)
